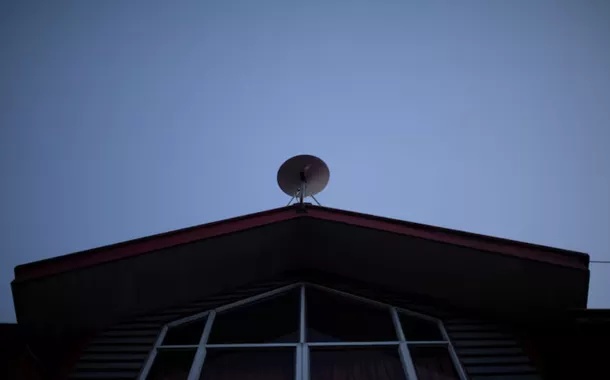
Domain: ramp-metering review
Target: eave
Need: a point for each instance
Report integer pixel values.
(147, 244)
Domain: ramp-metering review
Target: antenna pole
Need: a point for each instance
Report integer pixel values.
(314, 198)
(302, 192)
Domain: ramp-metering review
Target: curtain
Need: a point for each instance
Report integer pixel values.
(249, 365)
(356, 364)
(325, 364)
(433, 364)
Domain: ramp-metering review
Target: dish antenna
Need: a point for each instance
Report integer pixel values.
(303, 176)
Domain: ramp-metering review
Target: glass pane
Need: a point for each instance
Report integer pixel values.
(254, 364)
(171, 364)
(432, 363)
(270, 320)
(420, 329)
(371, 363)
(188, 333)
(335, 318)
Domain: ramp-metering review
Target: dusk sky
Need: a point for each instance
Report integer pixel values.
(122, 119)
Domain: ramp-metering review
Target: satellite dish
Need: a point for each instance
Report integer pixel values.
(303, 176)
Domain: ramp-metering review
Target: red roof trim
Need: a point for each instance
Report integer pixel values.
(148, 244)
(484, 243)
(152, 243)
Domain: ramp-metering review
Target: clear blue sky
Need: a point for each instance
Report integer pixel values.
(122, 119)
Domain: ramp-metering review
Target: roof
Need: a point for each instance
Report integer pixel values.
(148, 244)
(88, 290)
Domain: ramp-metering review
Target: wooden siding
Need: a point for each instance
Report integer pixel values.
(484, 356)
(486, 350)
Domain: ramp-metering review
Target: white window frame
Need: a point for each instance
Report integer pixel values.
(302, 347)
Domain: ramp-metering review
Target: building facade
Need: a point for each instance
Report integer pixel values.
(307, 292)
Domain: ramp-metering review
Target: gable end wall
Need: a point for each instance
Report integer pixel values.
(486, 350)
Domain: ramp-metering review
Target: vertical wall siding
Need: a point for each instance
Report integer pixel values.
(485, 350)
(488, 353)
(120, 352)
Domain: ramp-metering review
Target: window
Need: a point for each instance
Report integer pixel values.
(273, 319)
(304, 332)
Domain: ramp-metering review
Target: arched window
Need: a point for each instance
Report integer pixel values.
(303, 332)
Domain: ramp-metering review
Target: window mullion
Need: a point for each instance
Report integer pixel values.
(201, 350)
(302, 360)
(454, 357)
(305, 356)
(302, 316)
(407, 362)
(403, 349)
(397, 325)
(299, 362)
(153, 354)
